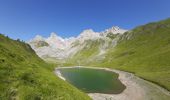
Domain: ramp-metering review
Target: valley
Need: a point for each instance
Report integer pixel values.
(143, 51)
(84, 49)
(139, 59)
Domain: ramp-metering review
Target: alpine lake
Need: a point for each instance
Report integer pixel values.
(91, 80)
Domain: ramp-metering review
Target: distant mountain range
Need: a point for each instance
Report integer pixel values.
(56, 47)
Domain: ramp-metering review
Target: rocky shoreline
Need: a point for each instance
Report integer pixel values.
(136, 88)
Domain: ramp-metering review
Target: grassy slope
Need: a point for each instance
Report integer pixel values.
(24, 76)
(146, 53)
(91, 49)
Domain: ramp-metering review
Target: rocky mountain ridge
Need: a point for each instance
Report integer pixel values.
(56, 47)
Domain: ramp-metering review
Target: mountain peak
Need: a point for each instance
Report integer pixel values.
(53, 34)
(38, 38)
(88, 34)
(113, 30)
(87, 30)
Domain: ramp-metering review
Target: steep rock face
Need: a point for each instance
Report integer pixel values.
(38, 41)
(88, 34)
(56, 47)
(56, 41)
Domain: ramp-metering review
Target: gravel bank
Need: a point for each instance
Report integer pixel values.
(136, 88)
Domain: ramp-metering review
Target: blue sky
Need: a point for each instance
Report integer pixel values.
(25, 18)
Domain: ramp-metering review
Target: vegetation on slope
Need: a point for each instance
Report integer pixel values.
(24, 76)
(88, 53)
(144, 51)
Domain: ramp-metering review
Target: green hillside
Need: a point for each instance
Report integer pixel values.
(24, 76)
(88, 53)
(144, 51)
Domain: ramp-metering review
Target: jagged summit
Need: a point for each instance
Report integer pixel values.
(88, 34)
(113, 30)
(55, 41)
(53, 34)
(37, 38)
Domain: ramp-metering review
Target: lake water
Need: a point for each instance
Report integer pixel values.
(93, 80)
